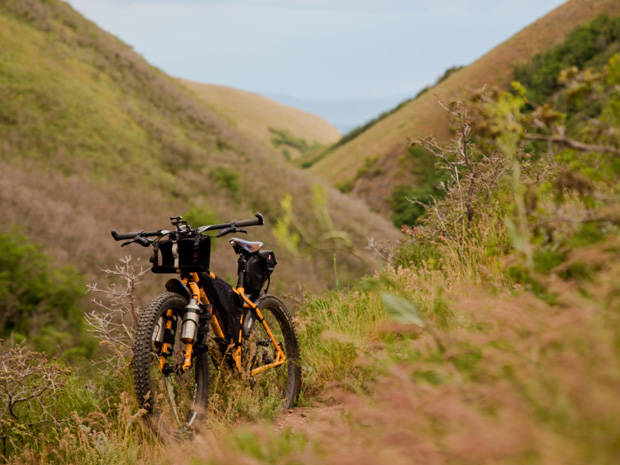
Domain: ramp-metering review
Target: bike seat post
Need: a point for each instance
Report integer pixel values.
(241, 270)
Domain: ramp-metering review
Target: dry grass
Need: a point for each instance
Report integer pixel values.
(423, 116)
(510, 380)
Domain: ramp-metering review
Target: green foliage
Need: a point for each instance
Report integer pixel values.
(402, 310)
(75, 416)
(369, 168)
(197, 216)
(406, 210)
(227, 177)
(421, 164)
(37, 301)
(333, 330)
(281, 449)
(346, 186)
(589, 45)
(284, 138)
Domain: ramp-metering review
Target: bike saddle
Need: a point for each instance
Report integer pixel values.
(247, 245)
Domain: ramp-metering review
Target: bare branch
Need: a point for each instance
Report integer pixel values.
(117, 317)
(565, 141)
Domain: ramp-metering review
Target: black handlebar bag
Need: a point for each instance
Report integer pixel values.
(185, 255)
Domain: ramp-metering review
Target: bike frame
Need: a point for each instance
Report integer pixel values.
(192, 282)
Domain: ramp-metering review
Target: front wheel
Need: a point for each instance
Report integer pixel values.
(174, 399)
(278, 384)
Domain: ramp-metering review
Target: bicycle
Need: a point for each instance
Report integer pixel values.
(252, 334)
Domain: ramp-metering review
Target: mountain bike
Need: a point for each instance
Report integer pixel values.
(201, 320)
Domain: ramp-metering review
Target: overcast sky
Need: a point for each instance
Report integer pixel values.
(313, 49)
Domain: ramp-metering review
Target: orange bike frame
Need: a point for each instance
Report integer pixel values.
(199, 294)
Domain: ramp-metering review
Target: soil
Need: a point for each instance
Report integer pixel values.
(309, 419)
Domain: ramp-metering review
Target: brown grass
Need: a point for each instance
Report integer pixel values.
(517, 381)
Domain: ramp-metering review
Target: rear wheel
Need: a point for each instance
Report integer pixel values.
(280, 384)
(175, 400)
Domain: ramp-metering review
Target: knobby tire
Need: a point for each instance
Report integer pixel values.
(283, 381)
(176, 403)
(153, 389)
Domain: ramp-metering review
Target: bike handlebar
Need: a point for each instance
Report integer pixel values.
(259, 221)
(130, 235)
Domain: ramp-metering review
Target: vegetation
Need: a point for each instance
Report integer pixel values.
(590, 45)
(39, 303)
(227, 178)
(284, 138)
(488, 336)
(408, 201)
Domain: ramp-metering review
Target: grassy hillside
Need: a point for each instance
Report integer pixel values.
(386, 141)
(280, 128)
(93, 138)
(490, 336)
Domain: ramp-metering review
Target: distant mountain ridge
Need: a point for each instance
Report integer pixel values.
(344, 114)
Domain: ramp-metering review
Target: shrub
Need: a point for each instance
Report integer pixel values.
(227, 178)
(582, 46)
(35, 296)
(406, 198)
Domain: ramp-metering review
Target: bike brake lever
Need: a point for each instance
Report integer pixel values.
(223, 232)
(143, 241)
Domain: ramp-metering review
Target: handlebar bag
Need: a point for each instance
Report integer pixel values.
(185, 255)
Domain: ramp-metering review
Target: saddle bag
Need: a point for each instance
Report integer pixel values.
(258, 269)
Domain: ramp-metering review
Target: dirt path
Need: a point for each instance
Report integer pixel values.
(309, 419)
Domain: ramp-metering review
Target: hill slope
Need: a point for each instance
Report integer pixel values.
(93, 138)
(266, 120)
(386, 141)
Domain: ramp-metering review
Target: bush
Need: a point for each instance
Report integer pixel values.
(37, 301)
(580, 48)
(228, 178)
(420, 163)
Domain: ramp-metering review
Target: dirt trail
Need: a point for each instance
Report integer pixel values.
(309, 420)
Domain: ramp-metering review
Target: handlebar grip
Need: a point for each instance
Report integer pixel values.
(259, 221)
(123, 236)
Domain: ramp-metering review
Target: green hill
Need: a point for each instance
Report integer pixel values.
(92, 138)
(371, 164)
(282, 129)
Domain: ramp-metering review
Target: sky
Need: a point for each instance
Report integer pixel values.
(313, 49)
